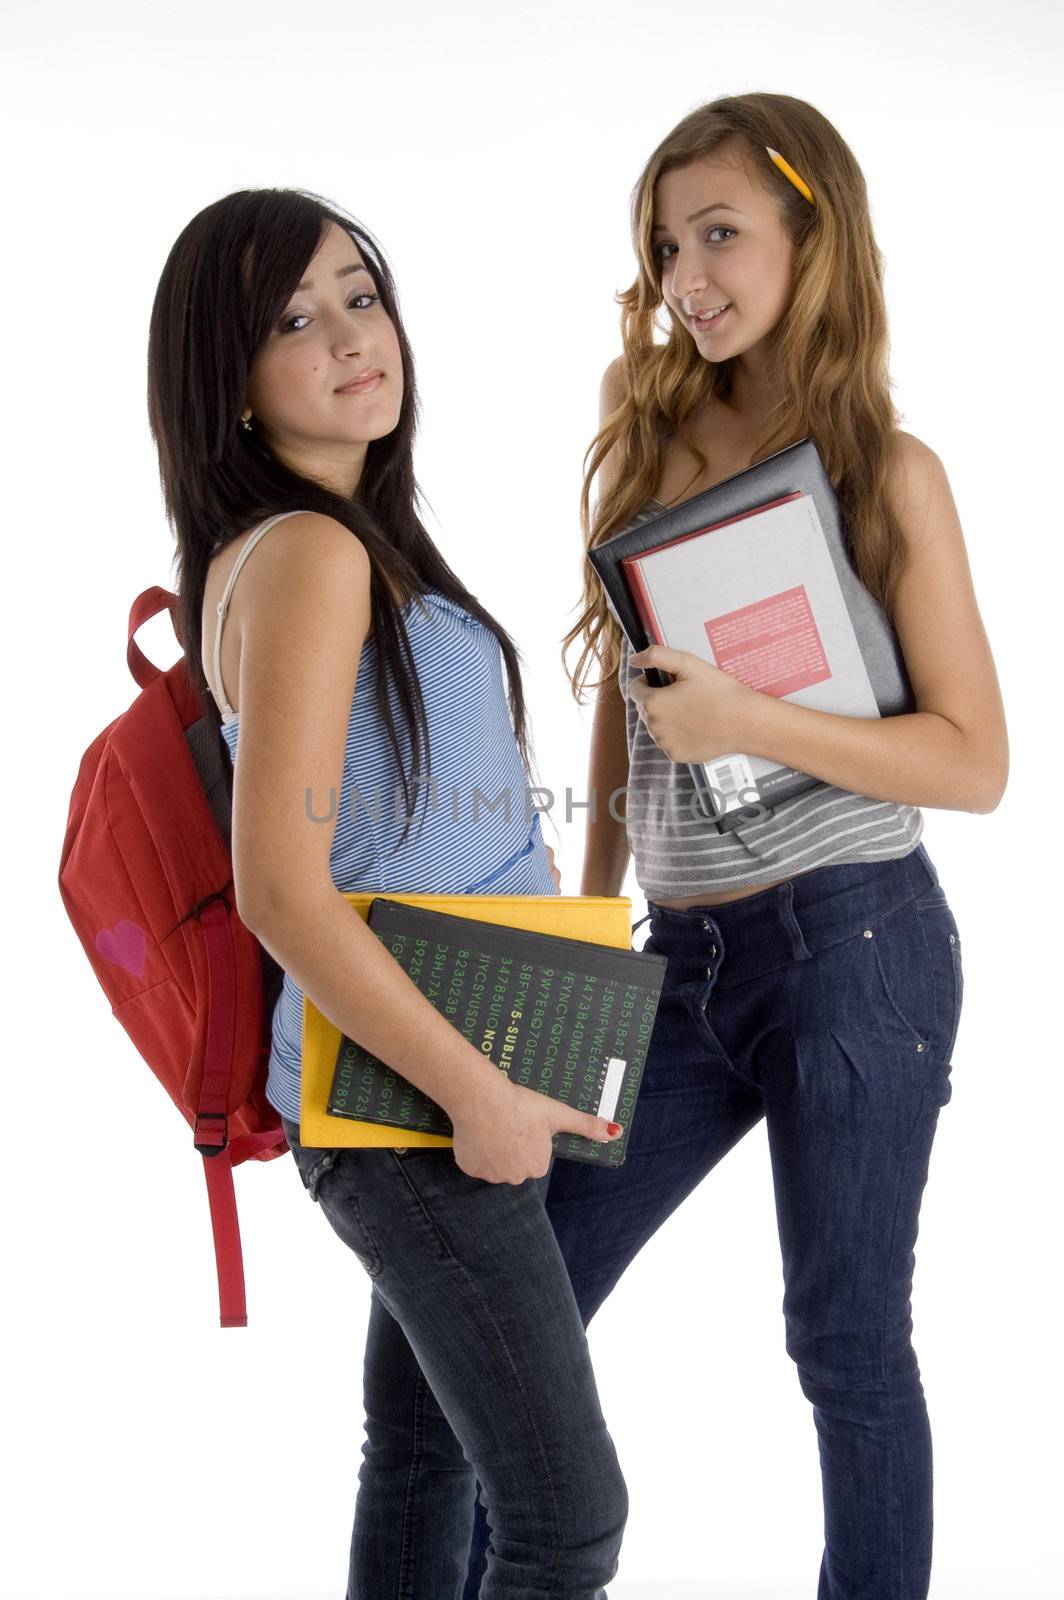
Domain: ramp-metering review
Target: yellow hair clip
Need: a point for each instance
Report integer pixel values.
(789, 172)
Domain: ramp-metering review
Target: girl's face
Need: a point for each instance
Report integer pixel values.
(720, 241)
(333, 332)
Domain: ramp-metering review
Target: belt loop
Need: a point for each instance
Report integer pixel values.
(929, 874)
(799, 949)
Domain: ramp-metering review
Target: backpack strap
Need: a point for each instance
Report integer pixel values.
(228, 714)
(211, 1137)
(212, 1122)
(144, 607)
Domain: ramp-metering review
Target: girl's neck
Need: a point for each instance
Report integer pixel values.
(756, 386)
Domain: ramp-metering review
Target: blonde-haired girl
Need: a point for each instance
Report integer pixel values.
(814, 963)
(814, 971)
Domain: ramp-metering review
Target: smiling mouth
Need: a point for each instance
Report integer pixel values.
(707, 319)
(362, 385)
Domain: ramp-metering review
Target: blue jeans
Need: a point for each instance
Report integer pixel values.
(470, 1295)
(829, 1006)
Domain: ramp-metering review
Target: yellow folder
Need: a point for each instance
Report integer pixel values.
(597, 919)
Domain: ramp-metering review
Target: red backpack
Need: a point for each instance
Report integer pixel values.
(146, 877)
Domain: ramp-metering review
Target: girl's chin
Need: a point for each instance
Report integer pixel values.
(717, 346)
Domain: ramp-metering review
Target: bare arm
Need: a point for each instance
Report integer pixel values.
(333, 956)
(606, 850)
(311, 583)
(953, 751)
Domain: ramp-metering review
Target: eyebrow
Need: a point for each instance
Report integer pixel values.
(341, 272)
(718, 205)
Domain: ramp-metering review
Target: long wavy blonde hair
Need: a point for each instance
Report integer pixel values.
(832, 345)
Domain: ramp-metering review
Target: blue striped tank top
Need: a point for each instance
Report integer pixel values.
(479, 833)
(677, 853)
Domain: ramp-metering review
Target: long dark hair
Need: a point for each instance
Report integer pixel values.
(226, 281)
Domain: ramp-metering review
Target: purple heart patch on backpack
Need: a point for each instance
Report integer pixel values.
(123, 944)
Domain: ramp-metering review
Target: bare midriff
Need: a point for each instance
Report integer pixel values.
(718, 899)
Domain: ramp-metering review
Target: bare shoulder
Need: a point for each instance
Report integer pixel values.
(922, 500)
(612, 391)
(298, 547)
(613, 388)
(937, 616)
(308, 578)
(308, 544)
(297, 557)
(919, 491)
(294, 568)
(305, 617)
(911, 453)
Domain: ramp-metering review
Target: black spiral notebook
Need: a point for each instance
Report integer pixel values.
(755, 576)
(561, 1016)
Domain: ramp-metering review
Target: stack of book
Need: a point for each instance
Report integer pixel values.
(755, 577)
(560, 1013)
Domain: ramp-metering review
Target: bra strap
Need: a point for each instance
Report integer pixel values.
(228, 714)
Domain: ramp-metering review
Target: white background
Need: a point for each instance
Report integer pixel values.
(492, 149)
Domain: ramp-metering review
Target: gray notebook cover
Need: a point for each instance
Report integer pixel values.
(797, 469)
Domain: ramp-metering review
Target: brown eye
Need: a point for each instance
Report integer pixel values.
(302, 316)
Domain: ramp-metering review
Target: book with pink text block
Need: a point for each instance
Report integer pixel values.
(764, 590)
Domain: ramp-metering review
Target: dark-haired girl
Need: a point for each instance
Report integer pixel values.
(341, 650)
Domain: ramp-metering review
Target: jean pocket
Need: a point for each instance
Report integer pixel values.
(918, 962)
(875, 992)
(931, 898)
(943, 941)
(312, 1165)
(341, 1203)
(312, 1161)
(405, 1153)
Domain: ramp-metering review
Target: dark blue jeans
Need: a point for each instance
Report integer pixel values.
(829, 1006)
(471, 1297)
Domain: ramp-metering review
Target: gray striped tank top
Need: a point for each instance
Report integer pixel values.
(678, 853)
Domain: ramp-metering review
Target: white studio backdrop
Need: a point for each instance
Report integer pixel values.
(492, 149)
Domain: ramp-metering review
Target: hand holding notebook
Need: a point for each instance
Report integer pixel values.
(599, 1070)
(754, 577)
(563, 1017)
(703, 719)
